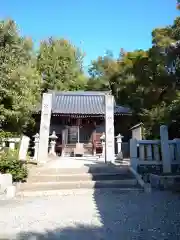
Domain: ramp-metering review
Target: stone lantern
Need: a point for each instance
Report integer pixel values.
(119, 138)
(36, 146)
(103, 139)
(53, 139)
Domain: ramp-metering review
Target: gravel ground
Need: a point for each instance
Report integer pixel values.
(103, 214)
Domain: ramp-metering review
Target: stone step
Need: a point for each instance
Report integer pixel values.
(65, 192)
(45, 186)
(44, 180)
(80, 170)
(87, 157)
(79, 177)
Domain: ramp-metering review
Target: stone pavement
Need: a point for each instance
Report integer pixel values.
(78, 162)
(93, 214)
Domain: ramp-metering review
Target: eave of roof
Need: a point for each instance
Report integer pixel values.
(137, 126)
(82, 103)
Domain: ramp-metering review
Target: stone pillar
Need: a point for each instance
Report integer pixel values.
(53, 138)
(177, 151)
(133, 153)
(137, 131)
(109, 128)
(44, 128)
(23, 150)
(165, 150)
(36, 146)
(11, 143)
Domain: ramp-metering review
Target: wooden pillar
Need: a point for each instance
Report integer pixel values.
(94, 139)
(78, 123)
(63, 142)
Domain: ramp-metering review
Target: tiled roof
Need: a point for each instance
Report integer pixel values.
(79, 102)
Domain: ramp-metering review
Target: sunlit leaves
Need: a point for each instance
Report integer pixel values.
(19, 80)
(60, 65)
(147, 81)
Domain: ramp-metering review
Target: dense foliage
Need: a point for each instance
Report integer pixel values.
(148, 81)
(19, 78)
(60, 65)
(178, 4)
(9, 163)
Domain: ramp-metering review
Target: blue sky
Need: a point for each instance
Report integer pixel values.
(95, 25)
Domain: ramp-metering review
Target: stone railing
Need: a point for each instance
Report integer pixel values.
(163, 154)
(174, 146)
(10, 143)
(144, 152)
(21, 144)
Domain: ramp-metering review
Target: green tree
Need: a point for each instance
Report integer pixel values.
(60, 65)
(19, 80)
(178, 4)
(147, 81)
(102, 74)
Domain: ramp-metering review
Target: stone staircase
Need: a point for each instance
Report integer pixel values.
(49, 181)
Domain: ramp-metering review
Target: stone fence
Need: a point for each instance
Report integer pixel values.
(20, 144)
(155, 155)
(10, 143)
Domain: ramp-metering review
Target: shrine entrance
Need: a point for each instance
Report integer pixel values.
(79, 119)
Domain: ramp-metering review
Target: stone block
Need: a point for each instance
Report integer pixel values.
(24, 148)
(5, 180)
(10, 192)
(147, 188)
(119, 156)
(163, 182)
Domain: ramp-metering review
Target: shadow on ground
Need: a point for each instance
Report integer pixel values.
(123, 216)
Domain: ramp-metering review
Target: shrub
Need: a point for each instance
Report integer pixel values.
(4, 134)
(9, 163)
